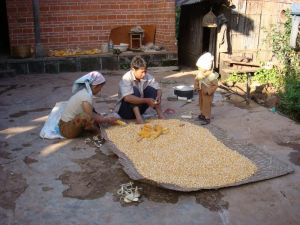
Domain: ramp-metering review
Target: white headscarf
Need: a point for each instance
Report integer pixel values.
(92, 78)
(206, 61)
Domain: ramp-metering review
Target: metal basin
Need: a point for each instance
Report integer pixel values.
(184, 91)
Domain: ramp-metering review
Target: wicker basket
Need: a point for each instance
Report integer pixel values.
(21, 51)
(209, 20)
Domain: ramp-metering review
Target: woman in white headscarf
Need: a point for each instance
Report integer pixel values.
(79, 114)
(206, 82)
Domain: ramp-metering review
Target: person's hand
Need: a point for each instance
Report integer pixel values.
(151, 102)
(110, 120)
(157, 100)
(98, 118)
(200, 76)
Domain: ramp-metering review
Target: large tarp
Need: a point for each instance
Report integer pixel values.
(267, 165)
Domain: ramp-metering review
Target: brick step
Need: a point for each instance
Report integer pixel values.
(3, 65)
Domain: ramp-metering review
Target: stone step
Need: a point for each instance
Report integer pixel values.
(7, 72)
(88, 62)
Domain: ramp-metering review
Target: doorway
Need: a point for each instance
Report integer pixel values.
(193, 40)
(206, 39)
(4, 33)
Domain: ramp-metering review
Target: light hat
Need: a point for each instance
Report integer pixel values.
(205, 61)
(97, 78)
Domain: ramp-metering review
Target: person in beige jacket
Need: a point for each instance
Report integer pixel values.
(206, 83)
(79, 116)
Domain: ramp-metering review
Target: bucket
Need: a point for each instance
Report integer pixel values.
(21, 51)
(104, 48)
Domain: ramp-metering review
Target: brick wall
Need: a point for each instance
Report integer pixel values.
(87, 23)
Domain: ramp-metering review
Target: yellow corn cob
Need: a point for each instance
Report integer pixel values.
(120, 122)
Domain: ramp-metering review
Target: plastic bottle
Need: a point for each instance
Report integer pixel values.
(273, 109)
(110, 46)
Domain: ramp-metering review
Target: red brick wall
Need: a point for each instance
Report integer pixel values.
(87, 23)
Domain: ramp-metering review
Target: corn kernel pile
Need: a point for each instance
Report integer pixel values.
(188, 155)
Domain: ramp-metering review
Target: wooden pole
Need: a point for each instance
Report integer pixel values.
(39, 50)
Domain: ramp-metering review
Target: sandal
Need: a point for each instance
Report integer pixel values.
(201, 117)
(128, 193)
(205, 121)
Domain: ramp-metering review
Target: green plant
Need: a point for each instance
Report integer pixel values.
(268, 76)
(290, 99)
(237, 77)
(285, 76)
(124, 66)
(288, 76)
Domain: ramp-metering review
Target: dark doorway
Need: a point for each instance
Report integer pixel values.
(205, 40)
(4, 34)
(192, 38)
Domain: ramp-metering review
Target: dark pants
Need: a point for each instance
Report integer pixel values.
(126, 109)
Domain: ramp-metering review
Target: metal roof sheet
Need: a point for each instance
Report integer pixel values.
(295, 8)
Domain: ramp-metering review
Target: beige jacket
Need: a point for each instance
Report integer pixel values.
(208, 82)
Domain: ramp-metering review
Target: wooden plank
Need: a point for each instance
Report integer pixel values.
(251, 42)
(245, 70)
(237, 41)
(254, 7)
(240, 5)
(272, 8)
(241, 63)
(253, 23)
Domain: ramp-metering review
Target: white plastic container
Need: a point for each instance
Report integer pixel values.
(123, 47)
(104, 48)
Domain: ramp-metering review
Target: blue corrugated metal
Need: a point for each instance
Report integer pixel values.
(295, 9)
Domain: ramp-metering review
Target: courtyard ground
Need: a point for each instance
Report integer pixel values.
(69, 182)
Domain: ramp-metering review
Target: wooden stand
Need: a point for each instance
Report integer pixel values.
(135, 40)
(242, 68)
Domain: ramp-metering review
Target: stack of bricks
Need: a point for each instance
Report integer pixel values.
(87, 23)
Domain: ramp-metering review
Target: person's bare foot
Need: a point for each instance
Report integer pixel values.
(139, 121)
(160, 114)
(138, 116)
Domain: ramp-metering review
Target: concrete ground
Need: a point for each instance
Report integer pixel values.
(68, 182)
